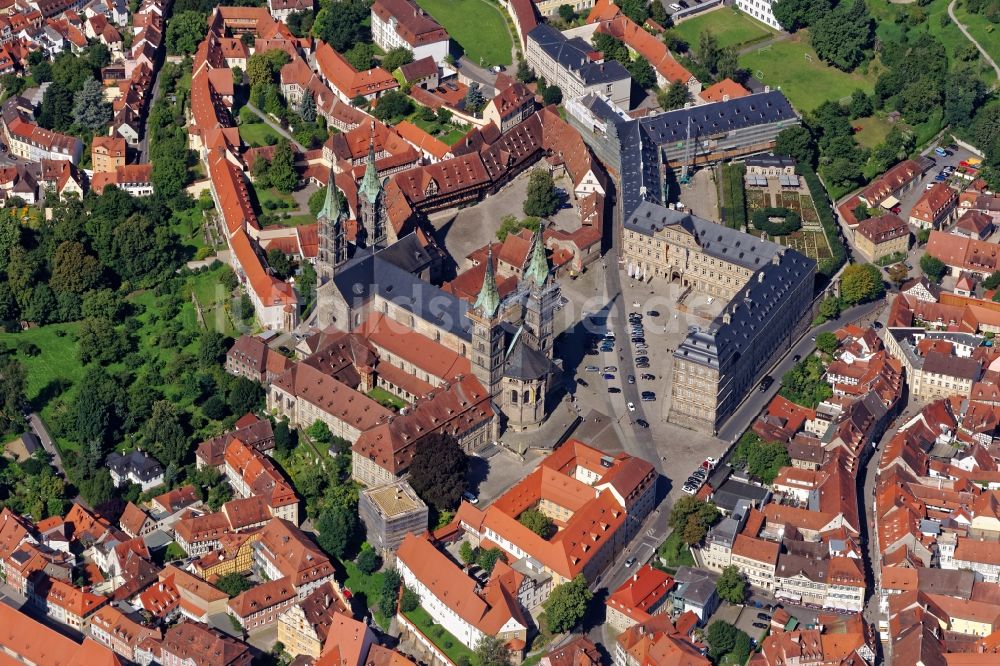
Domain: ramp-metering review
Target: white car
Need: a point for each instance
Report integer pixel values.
(631, 406)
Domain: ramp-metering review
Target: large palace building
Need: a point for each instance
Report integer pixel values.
(768, 288)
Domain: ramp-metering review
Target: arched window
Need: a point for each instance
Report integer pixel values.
(527, 396)
(513, 397)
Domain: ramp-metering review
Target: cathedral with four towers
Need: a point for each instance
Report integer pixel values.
(509, 341)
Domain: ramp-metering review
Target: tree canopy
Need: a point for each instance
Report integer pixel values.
(933, 267)
(438, 471)
(732, 585)
(804, 383)
(692, 517)
(861, 283)
(567, 605)
(537, 522)
(541, 199)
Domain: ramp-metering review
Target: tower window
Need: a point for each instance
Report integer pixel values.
(513, 397)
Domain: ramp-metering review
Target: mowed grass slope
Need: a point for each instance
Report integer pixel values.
(985, 32)
(478, 26)
(806, 83)
(730, 27)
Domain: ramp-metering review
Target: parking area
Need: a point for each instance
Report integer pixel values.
(588, 316)
(744, 618)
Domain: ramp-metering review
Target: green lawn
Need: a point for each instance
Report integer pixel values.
(258, 134)
(271, 200)
(730, 27)
(985, 32)
(675, 552)
(57, 363)
(370, 586)
(383, 397)
(873, 130)
(807, 84)
(478, 26)
(438, 635)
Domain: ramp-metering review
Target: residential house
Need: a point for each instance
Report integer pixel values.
(113, 629)
(935, 208)
(62, 602)
(284, 551)
(136, 467)
(453, 598)
(403, 24)
(510, 107)
(252, 358)
(193, 644)
(107, 153)
(305, 627)
(136, 179)
(259, 607)
(574, 66)
(27, 140)
(639, 598)
(882, 236)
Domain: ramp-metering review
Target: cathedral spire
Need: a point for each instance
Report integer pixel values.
(370, 187)
(538, 264)
(489, 296)
(331, 203)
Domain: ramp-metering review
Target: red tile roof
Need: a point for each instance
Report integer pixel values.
(349, 81)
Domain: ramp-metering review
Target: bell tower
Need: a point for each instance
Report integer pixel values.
(371, 203)
(539, 310)
(332, 234)
(487, 335)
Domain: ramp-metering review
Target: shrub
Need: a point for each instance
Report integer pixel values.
(790, 221)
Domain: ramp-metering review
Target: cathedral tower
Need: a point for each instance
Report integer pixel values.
(332, 233)
(539, 309)
(487, 335)
(371, 203)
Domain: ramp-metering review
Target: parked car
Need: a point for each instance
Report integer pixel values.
(642, 423)
(642, 366)
(611, 368)
(614, 389)
(764, 616)
(674, 6)
(766, 383)
(608, 376)
(690, 490)
(470, 498)
(941, 152)
(759, 625)
(629, 562)
(582, 382)
(631, 379)
(653, 313)
(631, 406)
(592, 368)
(796, 358)
(647, 376)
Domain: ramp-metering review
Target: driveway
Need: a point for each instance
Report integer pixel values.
(38, 427)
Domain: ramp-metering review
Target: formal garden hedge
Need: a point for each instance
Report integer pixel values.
(829, 266)
(790, 221)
